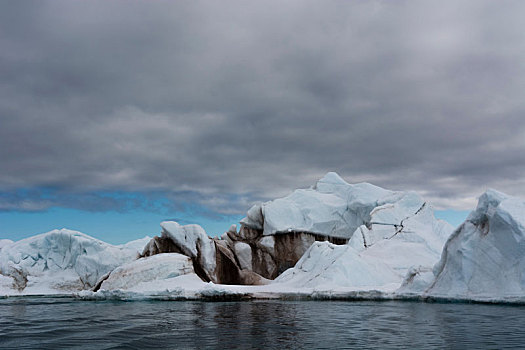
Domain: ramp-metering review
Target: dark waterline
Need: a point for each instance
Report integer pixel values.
(63, 323)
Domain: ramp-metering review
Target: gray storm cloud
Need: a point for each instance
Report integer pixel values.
(240, 101)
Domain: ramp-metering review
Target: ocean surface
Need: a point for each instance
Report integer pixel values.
(66, 323)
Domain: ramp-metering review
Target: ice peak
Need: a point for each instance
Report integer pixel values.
(491, 196)
(332, 178)
(487, 204)
(66, 231)
(332, 182)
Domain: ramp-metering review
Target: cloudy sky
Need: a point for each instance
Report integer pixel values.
(125, 113)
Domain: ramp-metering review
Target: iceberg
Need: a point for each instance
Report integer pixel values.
(59, 261)
(358, 236)
(334, 240)
(331, 237)
(279, 232)
(484, 258)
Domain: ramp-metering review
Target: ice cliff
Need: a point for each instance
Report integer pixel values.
(484, 259)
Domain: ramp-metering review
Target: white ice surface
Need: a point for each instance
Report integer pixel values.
(60, 261)
(417, 280)
(4, 242)
(154, 268)
(136, 245)
(190, 286)
(193, 241)
(326, 264)
(332, 208)
(243, 251)
(484, 259)
(187, 286)
(6, 285)
(389, 253)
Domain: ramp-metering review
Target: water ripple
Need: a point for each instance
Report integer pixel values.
(47, 323)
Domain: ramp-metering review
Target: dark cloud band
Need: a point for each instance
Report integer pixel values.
(239, 102)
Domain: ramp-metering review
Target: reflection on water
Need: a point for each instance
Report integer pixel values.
(30, 323)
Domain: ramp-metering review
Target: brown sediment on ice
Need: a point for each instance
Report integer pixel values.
(265, 259)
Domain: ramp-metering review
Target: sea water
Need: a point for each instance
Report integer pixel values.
(67, 323)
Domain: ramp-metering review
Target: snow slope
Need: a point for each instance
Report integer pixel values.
(326, 265)
(60, 261)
